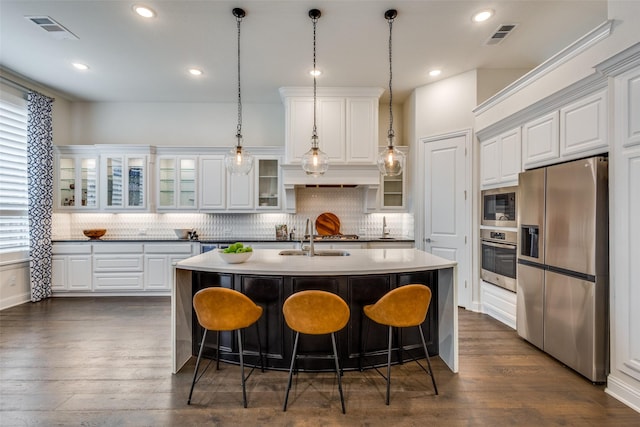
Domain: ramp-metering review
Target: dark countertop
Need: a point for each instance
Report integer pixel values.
(217, 240)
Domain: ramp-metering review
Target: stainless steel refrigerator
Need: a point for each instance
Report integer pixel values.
(563, 259)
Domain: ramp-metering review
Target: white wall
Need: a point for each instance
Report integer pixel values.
(445, 106)
(491, 81)
(175, 124)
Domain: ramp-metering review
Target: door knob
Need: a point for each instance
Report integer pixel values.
(428, 240)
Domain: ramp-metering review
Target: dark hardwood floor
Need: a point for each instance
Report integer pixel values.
(107, 362)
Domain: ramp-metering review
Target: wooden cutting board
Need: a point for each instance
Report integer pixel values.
(327, 224)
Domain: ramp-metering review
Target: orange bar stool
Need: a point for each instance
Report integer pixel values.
(402, 307)
(222, 309)
(315, 312)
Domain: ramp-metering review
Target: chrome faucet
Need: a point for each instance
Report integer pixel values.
(308, 234)
(385, 229)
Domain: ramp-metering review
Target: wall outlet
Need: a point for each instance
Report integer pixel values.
(142, 232)
(362, 231)
(12, 280)
(227, 231)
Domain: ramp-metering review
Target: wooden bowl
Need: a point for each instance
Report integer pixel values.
(94, 233)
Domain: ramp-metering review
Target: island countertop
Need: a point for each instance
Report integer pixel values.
(359, 261)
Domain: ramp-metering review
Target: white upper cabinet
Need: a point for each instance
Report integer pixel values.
(240, 191)
(576, 130)
(176, 183)
(124, 178)
(500, 161)
(583, 125)
(362, 130)
(213, 183)
(346, 120)
(540, 140)
(221, 191)
(268, 183)
(76, 179)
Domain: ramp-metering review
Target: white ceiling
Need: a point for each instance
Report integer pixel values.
(137, 60)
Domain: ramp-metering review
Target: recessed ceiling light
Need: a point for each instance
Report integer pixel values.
(144, 11)
(482, 15)
(80, 66)
(315, 73)
(435, 73)
(195, 72)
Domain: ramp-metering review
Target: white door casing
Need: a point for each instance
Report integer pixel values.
(445, 186)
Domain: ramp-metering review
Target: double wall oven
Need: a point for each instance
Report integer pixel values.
(499, 237)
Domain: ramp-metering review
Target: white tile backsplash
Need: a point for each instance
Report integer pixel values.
(346, 203)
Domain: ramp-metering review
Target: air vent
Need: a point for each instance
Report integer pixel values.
(501, 33)
(52, 27)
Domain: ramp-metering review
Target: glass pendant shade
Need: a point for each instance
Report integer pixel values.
(391, 161)
(315, 162)
(238, 161)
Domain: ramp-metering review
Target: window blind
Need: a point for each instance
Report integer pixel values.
(14, 197)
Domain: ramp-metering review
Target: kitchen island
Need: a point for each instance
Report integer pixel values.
(360, 278)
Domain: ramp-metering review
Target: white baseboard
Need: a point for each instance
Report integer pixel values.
(623, 392)
(14, 300)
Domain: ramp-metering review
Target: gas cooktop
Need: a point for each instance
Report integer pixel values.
(336, 237)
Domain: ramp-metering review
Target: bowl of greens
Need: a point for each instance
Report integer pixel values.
(236, 253)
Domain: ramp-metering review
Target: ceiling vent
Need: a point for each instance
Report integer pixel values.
(501, 33)
(53, 28)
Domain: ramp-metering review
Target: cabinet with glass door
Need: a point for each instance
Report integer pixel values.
(124, 179)
(268, 183)
(77, 181)
(393, 193)
(177, 183)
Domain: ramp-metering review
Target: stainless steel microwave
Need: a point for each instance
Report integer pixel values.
(499, 207)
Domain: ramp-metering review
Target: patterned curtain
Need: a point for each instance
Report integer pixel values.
(40, 170)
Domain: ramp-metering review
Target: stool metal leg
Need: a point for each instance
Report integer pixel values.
(217, 350)
(365, 338)
(335, 357)
(195, 371)
(426, 353)
(389, 363)
(244, 391)
(293, 360)
(260, 347)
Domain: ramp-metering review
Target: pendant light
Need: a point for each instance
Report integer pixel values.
(238, 161)
(390, 159)
(315, 162)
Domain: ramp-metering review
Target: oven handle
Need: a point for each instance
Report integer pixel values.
(499, 245)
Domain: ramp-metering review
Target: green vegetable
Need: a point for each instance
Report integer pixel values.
(237, 248)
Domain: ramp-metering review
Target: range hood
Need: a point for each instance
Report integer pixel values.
(366, 176)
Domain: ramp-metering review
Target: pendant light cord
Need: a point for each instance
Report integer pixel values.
(239, 131)
(391, 133)
(314, 137)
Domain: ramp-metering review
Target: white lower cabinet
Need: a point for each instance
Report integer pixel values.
(112, 267)
(71, 268)
(159, 259)
(118, 267)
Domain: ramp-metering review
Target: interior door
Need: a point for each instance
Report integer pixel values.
(446, 207)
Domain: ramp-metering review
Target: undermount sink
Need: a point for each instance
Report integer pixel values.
(322, 252)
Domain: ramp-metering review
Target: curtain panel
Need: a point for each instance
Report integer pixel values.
(40, 171)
